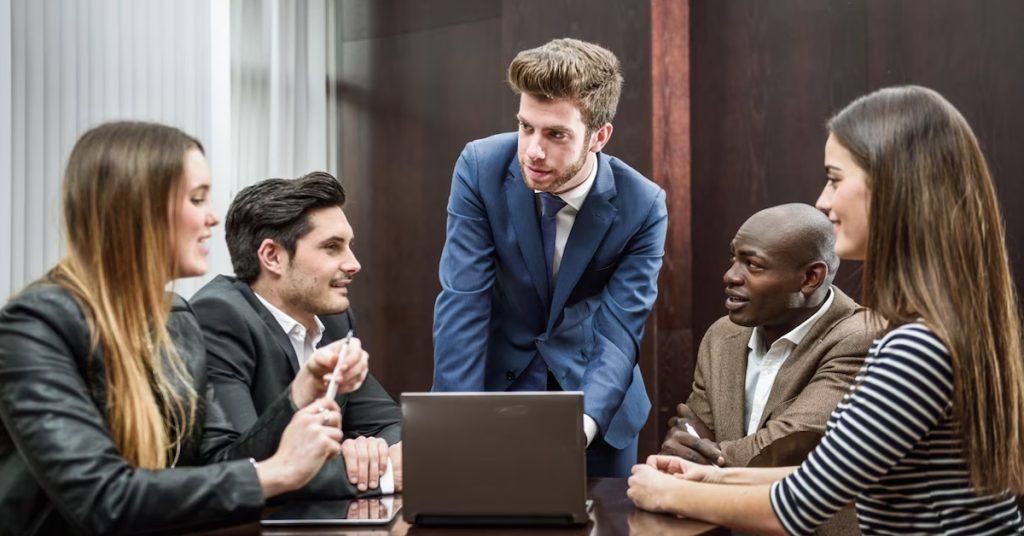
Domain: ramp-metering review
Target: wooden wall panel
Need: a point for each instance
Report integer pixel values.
(766, 75)
(416, 85)
(672, 323)
(971, 53)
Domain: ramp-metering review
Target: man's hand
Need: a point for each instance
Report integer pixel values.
(313, 378)
(395, 453)
(680, 442)
(366, 459)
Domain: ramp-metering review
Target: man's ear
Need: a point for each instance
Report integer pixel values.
(815, 274)
(600, 138)
(273, 257)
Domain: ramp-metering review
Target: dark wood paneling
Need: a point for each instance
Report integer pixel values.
(766, 75)
(971, 53)
(413, 93)
(672, 326)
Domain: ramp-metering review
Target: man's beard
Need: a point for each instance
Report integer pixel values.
(563, 178)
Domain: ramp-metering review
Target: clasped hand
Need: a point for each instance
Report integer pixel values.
(680, 442)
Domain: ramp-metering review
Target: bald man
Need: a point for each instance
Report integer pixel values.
(770, 373)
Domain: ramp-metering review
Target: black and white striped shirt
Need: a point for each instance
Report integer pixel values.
(891, 445)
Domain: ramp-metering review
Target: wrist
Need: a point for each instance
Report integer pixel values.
(300, 397)
(273, 481)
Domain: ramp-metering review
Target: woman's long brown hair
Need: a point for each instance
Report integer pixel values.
(936, 250)
(119, 190)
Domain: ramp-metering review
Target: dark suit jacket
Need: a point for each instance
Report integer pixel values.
(496, 311)
(808, 387)
(252, 361)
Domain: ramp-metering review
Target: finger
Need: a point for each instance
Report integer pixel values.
(372, 463)
(323, 360)
(684, 452)
(382, 455)
(352, 353)
(364, 464)
(333, 433)
(348, 449)
(708, 449)
(683, 411)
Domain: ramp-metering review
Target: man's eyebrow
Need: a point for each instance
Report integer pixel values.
(750, 252)
(334, 238)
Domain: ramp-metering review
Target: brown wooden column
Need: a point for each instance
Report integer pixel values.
(672, 320)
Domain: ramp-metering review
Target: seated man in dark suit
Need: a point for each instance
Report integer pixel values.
(291, 249)
(770, 373)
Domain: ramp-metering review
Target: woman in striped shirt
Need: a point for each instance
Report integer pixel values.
(930, 438)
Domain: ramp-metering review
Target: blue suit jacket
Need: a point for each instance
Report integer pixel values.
(494, 313)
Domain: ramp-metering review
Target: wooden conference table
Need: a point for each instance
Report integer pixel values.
(612, 515)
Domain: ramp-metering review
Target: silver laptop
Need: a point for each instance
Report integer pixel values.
(494, 458)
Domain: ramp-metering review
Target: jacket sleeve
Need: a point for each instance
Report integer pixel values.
(229, 359)
(372, 412)
(810, 410)
(63, 439)
(462, 313)
(621, 314)
(698, 401)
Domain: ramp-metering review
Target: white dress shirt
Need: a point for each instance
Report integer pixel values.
(763, 367)
(565, 219)
(303, 342)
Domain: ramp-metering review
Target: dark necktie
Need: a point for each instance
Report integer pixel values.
(535, 376)
(550, 205)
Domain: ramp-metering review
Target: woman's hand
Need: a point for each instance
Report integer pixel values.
(652, 490)
(686, 470)
(312, 437)
(313, 378)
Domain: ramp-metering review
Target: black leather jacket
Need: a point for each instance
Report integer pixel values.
(60, 471)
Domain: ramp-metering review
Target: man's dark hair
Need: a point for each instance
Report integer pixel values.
(276, 209)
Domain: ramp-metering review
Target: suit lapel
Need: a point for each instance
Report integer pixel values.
(730, 398)
(523, 214)
(592, 223)
(842, 306)
(271, 325)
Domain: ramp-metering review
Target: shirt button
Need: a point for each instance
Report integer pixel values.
(510, 376)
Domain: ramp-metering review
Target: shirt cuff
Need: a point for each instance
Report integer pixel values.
(387, 480)
(589, 428)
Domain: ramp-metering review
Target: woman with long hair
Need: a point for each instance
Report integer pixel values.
(108, 422)
(930, 438)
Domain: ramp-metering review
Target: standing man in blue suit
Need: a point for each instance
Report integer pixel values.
(551, 259)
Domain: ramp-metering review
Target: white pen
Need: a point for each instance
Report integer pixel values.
(691, 431)
(332, 387)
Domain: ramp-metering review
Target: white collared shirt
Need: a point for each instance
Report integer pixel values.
(303, 343)
(566, 217)
(763, 367)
